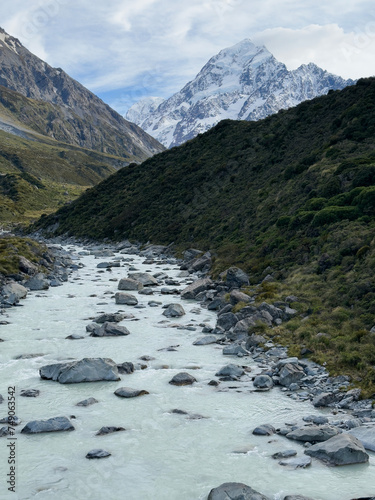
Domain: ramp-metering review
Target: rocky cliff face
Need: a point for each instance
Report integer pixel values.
(243, 82)
(80, 117)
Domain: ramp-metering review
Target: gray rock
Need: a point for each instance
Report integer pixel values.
(234, 350)
(255, 341)
(126, 298)
(296, 462)
(174, 311)
(365, 434)
(237, 296)
(236, 277)
(297, 497)
(37, 282)
(342, 449)
(182, 378)
(85, 370)
(87, 402)
(263, 382)
(27, 267)
(15, 291)
(232, 372)
(191, 291)
(109, 330)
(226, 321)
(4, 431)
(126, 368)
(243, 326)
(326, 399)
(110, 317)
(30, 393)
(208, 339)
(75, 336)
(235, 491)
(98, 454)
(128, 392)
(290, 373)
(1, 399)
(202, 263)
(129, 284)
(144, 278)
(313, 433)
(316, 419)
(56, 424)
(109, 430)
(216, 304)
(105, 265)
(284, 454)
(264, 430)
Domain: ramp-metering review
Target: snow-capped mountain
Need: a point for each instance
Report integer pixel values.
(243, 82)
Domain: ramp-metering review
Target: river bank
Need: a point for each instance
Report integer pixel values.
(184, 449)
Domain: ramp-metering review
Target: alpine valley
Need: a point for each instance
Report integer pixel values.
(243, 82)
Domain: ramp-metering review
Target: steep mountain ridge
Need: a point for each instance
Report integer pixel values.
(242, 82)
(76, 116)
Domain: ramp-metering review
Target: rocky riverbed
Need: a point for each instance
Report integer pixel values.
(146, 351)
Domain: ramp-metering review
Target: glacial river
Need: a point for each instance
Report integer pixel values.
(161, 455)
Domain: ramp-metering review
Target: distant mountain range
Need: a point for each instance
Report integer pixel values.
(74, 115)
(243, 82)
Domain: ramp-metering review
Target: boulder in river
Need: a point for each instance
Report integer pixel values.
(110, 317)
(264, 430)
(182, 378)
(263, 382)
(109, 430)
(98, 454)
(342, 449)
(145, 279)
(128, 392)
(174, 311)
(313, 433)
(235, 491)
(109, 330)
(297, 497)
(126, 299)
(129, 284)
(56, 424)
(87, 402)
(85, 370)
(296, 462)
(30, 393)
(13, 292)
(231, 372)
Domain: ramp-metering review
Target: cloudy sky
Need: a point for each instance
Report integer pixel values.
(124, 50)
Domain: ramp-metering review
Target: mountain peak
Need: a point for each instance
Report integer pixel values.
(244, 81)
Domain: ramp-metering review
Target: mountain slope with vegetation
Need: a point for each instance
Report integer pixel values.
(292, 196)
(74, 114)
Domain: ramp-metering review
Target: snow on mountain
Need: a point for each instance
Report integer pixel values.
(243, 82)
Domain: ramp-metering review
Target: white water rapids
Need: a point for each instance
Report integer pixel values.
(161, 455)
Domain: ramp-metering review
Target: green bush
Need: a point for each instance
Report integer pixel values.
(330, 215)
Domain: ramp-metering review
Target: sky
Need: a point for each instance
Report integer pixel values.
(124, 50)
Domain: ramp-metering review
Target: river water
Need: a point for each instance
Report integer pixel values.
(161, 455)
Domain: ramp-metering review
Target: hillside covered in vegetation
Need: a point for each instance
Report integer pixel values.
(292, 196)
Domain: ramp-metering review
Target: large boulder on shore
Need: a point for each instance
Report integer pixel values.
(125, 299)
(236, 277)
(290, 374)
(191, 291)
(342, 449)
(56, 424)
(235, 491)
(14, 290)
(85, 370)
(38, 282)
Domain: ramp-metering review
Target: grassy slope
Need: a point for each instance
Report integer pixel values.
(294, 192)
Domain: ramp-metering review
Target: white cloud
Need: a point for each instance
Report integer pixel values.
(156, 46)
